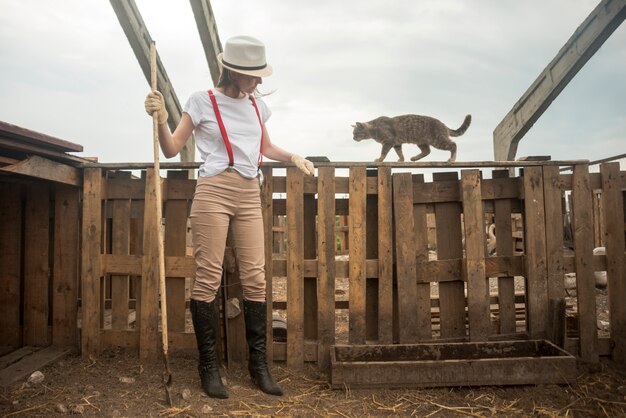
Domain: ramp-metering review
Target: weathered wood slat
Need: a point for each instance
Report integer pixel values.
(66, 265)
(420, 223)
(36, 269)
(357, 253)
(45, 169)
(535, 239)
(10, 255)
(310, 283)
(120, 246)
(585, 281)
(148, 333)
(295, 268)
(405, 257)
(91, 232)
(613, 205)
(451, 293)
(268, 223)
(477, 282)
(326, 264)
(385, 256)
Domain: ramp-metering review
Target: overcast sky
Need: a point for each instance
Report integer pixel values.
(67, 70)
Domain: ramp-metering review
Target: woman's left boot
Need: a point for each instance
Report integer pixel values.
(255, 314)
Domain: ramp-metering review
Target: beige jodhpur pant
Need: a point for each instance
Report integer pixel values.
(220, 201)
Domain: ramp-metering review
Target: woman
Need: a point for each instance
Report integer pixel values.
(229, 128)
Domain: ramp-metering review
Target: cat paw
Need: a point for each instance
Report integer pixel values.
(400, 160)
(378, 160)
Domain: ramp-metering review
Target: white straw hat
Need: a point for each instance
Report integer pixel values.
(245, 55)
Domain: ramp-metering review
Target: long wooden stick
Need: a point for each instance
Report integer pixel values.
(159, 215)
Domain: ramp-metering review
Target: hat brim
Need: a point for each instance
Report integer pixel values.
(264, 72)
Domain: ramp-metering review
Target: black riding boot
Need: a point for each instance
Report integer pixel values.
(204, 319)
(255, 314)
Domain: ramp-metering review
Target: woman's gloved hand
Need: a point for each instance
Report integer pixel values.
(303, 164)
(155, 103)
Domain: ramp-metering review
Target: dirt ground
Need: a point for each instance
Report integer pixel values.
(116, 385)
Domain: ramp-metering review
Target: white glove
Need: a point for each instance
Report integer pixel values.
(155, 103)
(303, 164)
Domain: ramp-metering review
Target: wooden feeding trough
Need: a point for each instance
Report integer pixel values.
(451, 364)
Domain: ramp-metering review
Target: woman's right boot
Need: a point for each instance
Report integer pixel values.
(204, 318)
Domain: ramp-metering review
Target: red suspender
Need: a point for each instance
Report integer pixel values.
(220, 122)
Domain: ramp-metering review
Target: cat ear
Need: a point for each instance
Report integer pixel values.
(354, 126)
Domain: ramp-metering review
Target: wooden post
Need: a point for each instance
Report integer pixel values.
(10, 255)
(66, 263)
(326, 263)
(267, 208)
(585, 280)
(357, 230)
(90, 262)
(295, 268)
(385, 256)
(420, 223)
(405, 258)
(477, 283)
(149, 333)
(310, 283)
(449, 246)
(535, 237)
(371, 253)
(120, 286)
(613, 205)
(504, 246)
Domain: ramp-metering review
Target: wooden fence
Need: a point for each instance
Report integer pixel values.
(394, 285)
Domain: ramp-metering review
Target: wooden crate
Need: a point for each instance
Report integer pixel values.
(451, 364)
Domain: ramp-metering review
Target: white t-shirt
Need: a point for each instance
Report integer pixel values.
(242, 126)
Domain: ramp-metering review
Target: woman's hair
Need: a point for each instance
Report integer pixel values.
(227, 81)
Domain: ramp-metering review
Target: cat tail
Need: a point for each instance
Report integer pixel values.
(462, 128)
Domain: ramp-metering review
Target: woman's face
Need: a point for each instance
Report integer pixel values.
(247, 83)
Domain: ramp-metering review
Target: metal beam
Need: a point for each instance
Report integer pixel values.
(140, 39)
(581, 46)
(207, 28)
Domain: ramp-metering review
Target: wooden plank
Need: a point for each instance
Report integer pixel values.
(91, 232)
(405, 257)
(420, 223)
(371, 253)
(10, 256)
(477, 282)
(613, 205)
(66, 266)
(585, 281)
(385, 256)
(449, 245)
(268, 222)
(504, 248)
(45, 169)
(535, 238)
(148, 333)
(120, 246)
(175, 241)
(310, 283)
(357, 239)
(16, 355)
(31, 363)
(36, 267)
(295, 268)
(326, 263)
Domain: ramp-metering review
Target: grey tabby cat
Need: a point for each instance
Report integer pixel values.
(423, 131)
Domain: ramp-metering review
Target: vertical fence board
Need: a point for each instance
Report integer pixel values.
(477, 283)
(504, 248)
(310, 283)
(267, 209)
(90, 262)
(385, 256)
(295, 268)
(10, 255)
(66, 257)
(120, 246)
(326, 263)
(371, 253)
(585, 280)
(175, 241)
(613, 206)
(420, 223)
(405, 257)
(535, 236)
(357, 242)
(449, 246)
(36, 268)
(148, 333)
